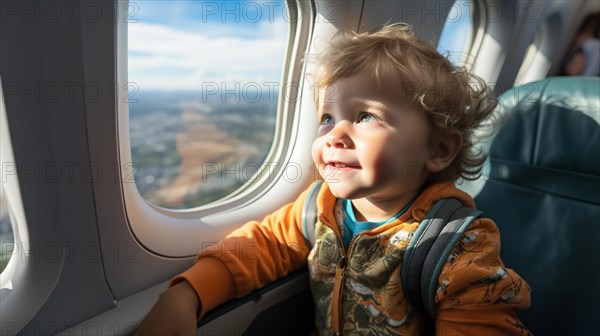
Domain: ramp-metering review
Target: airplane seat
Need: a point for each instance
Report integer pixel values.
(541, 186)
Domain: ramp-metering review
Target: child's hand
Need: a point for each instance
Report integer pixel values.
(175, 313)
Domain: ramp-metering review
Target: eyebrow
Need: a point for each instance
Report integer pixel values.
(370, 103)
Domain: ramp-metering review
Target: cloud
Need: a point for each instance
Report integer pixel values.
(165, 57)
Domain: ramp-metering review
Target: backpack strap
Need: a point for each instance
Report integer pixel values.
(309, 214)
(429, 249)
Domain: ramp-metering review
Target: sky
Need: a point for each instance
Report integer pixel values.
(457, 31)
(174, 45)
(188, 45)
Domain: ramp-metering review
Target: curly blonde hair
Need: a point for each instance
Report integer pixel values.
(452, 99)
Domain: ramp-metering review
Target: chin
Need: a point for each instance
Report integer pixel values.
(336, 189)
(340, 191)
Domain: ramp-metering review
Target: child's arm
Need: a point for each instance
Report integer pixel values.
(477, 294)
(250, 257)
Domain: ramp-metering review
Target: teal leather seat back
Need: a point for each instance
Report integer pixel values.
(542, 187)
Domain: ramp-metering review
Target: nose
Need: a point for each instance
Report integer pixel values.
(339, 136)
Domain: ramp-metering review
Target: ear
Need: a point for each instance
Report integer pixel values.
(443, 149)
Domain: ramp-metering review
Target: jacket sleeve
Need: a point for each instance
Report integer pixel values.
(250, 257)
(477, 294)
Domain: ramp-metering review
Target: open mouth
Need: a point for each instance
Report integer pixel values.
(335, 165)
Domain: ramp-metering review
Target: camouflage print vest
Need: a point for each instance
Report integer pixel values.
(371, 299)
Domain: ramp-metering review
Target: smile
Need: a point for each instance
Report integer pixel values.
(333, 165)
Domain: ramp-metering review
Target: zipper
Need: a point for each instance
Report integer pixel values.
(336, 304)
(338, 288)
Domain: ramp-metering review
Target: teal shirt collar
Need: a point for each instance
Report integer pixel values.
(352, 227)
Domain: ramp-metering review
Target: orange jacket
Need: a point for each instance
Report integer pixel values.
(476, 294)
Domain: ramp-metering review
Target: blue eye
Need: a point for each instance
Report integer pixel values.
(366, 117)
(327, 120)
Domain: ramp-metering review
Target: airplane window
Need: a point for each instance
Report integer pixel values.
(7, 238)
(203, 89)
(457, 34)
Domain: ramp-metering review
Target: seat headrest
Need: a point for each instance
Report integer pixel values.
(553, 123)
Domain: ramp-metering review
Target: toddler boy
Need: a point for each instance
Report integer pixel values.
(396, 130)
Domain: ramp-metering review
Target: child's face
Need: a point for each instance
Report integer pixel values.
(370, 144)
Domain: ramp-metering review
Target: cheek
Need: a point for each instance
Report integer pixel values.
(402, 151)
(413, 155)
(316, 150)
(377, 155)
